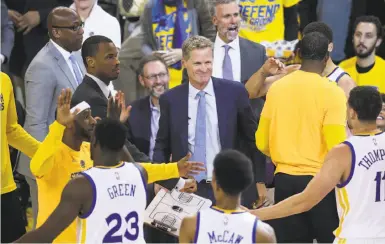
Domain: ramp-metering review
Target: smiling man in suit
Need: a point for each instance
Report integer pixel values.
(204, 116)
(55, 67)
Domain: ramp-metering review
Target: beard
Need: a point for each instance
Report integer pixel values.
(367, 53)
(156, 94)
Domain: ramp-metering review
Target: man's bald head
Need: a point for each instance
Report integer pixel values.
(63, 28)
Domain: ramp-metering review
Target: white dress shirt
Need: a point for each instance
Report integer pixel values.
(66, 55)
(213, 145)
(219, 55)
(99, 22)
(105, 89)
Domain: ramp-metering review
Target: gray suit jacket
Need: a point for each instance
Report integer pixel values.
(7, 32)
(44, 79)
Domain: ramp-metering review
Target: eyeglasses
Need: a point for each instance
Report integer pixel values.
(153, 77)
(73, 28)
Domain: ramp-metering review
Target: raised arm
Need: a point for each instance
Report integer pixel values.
(165, 171)
(16, 135)
(335, 169)
(272, 70)
(76, 198)
(41, 163)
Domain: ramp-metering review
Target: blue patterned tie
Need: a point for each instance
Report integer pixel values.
(75, 67)
(199, 154)
(227, 68)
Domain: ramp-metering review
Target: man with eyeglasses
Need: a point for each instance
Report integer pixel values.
(57, 66)
(143, 125)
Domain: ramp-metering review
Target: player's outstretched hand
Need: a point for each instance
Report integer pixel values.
(187, 168)
(63, 113)
(190, 186)
(273, 66)
(125, 110)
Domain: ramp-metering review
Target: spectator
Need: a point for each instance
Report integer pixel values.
(12, 222)
(55, 67)
(366, 68)
(165, 29)
(299, 123)
(7, 35)
(269, 20)
(97, 21)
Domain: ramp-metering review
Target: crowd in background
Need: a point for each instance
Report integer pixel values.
(44, 49)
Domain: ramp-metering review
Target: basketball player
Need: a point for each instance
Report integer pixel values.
(227, 222)
(109, 198)
(356, 169)
(331, 71)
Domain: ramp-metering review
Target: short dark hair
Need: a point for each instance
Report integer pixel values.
(314, 46)
(147, 59)
(370, 19)
(110, 134)
(320, 27)
(383, 97)
(91, 46)
(366, 102)
(233, 171)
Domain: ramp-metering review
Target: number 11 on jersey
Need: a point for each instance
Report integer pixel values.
(380, 180)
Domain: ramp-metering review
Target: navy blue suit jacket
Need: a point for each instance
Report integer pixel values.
(139, 124)
(236, 122)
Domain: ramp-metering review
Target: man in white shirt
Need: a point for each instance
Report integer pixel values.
(204, 116)
(57, 66)
(236, 58)
(97, 21)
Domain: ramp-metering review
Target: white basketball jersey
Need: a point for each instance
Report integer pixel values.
(361, 199)
(336, 74)
(215, 226)
(119, 201)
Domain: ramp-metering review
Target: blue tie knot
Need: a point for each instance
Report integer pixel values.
(227, 48)
(201, 94)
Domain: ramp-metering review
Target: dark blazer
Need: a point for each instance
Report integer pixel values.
(236, 122)
(90, 92)
(253, 56)
(139, 124)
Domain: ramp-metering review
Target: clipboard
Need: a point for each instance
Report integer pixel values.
(167, 210)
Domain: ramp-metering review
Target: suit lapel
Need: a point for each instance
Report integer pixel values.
(146, 110)
(182, 115)
(63, 65)
(221, 100)
(95, 86)
(245, 61)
